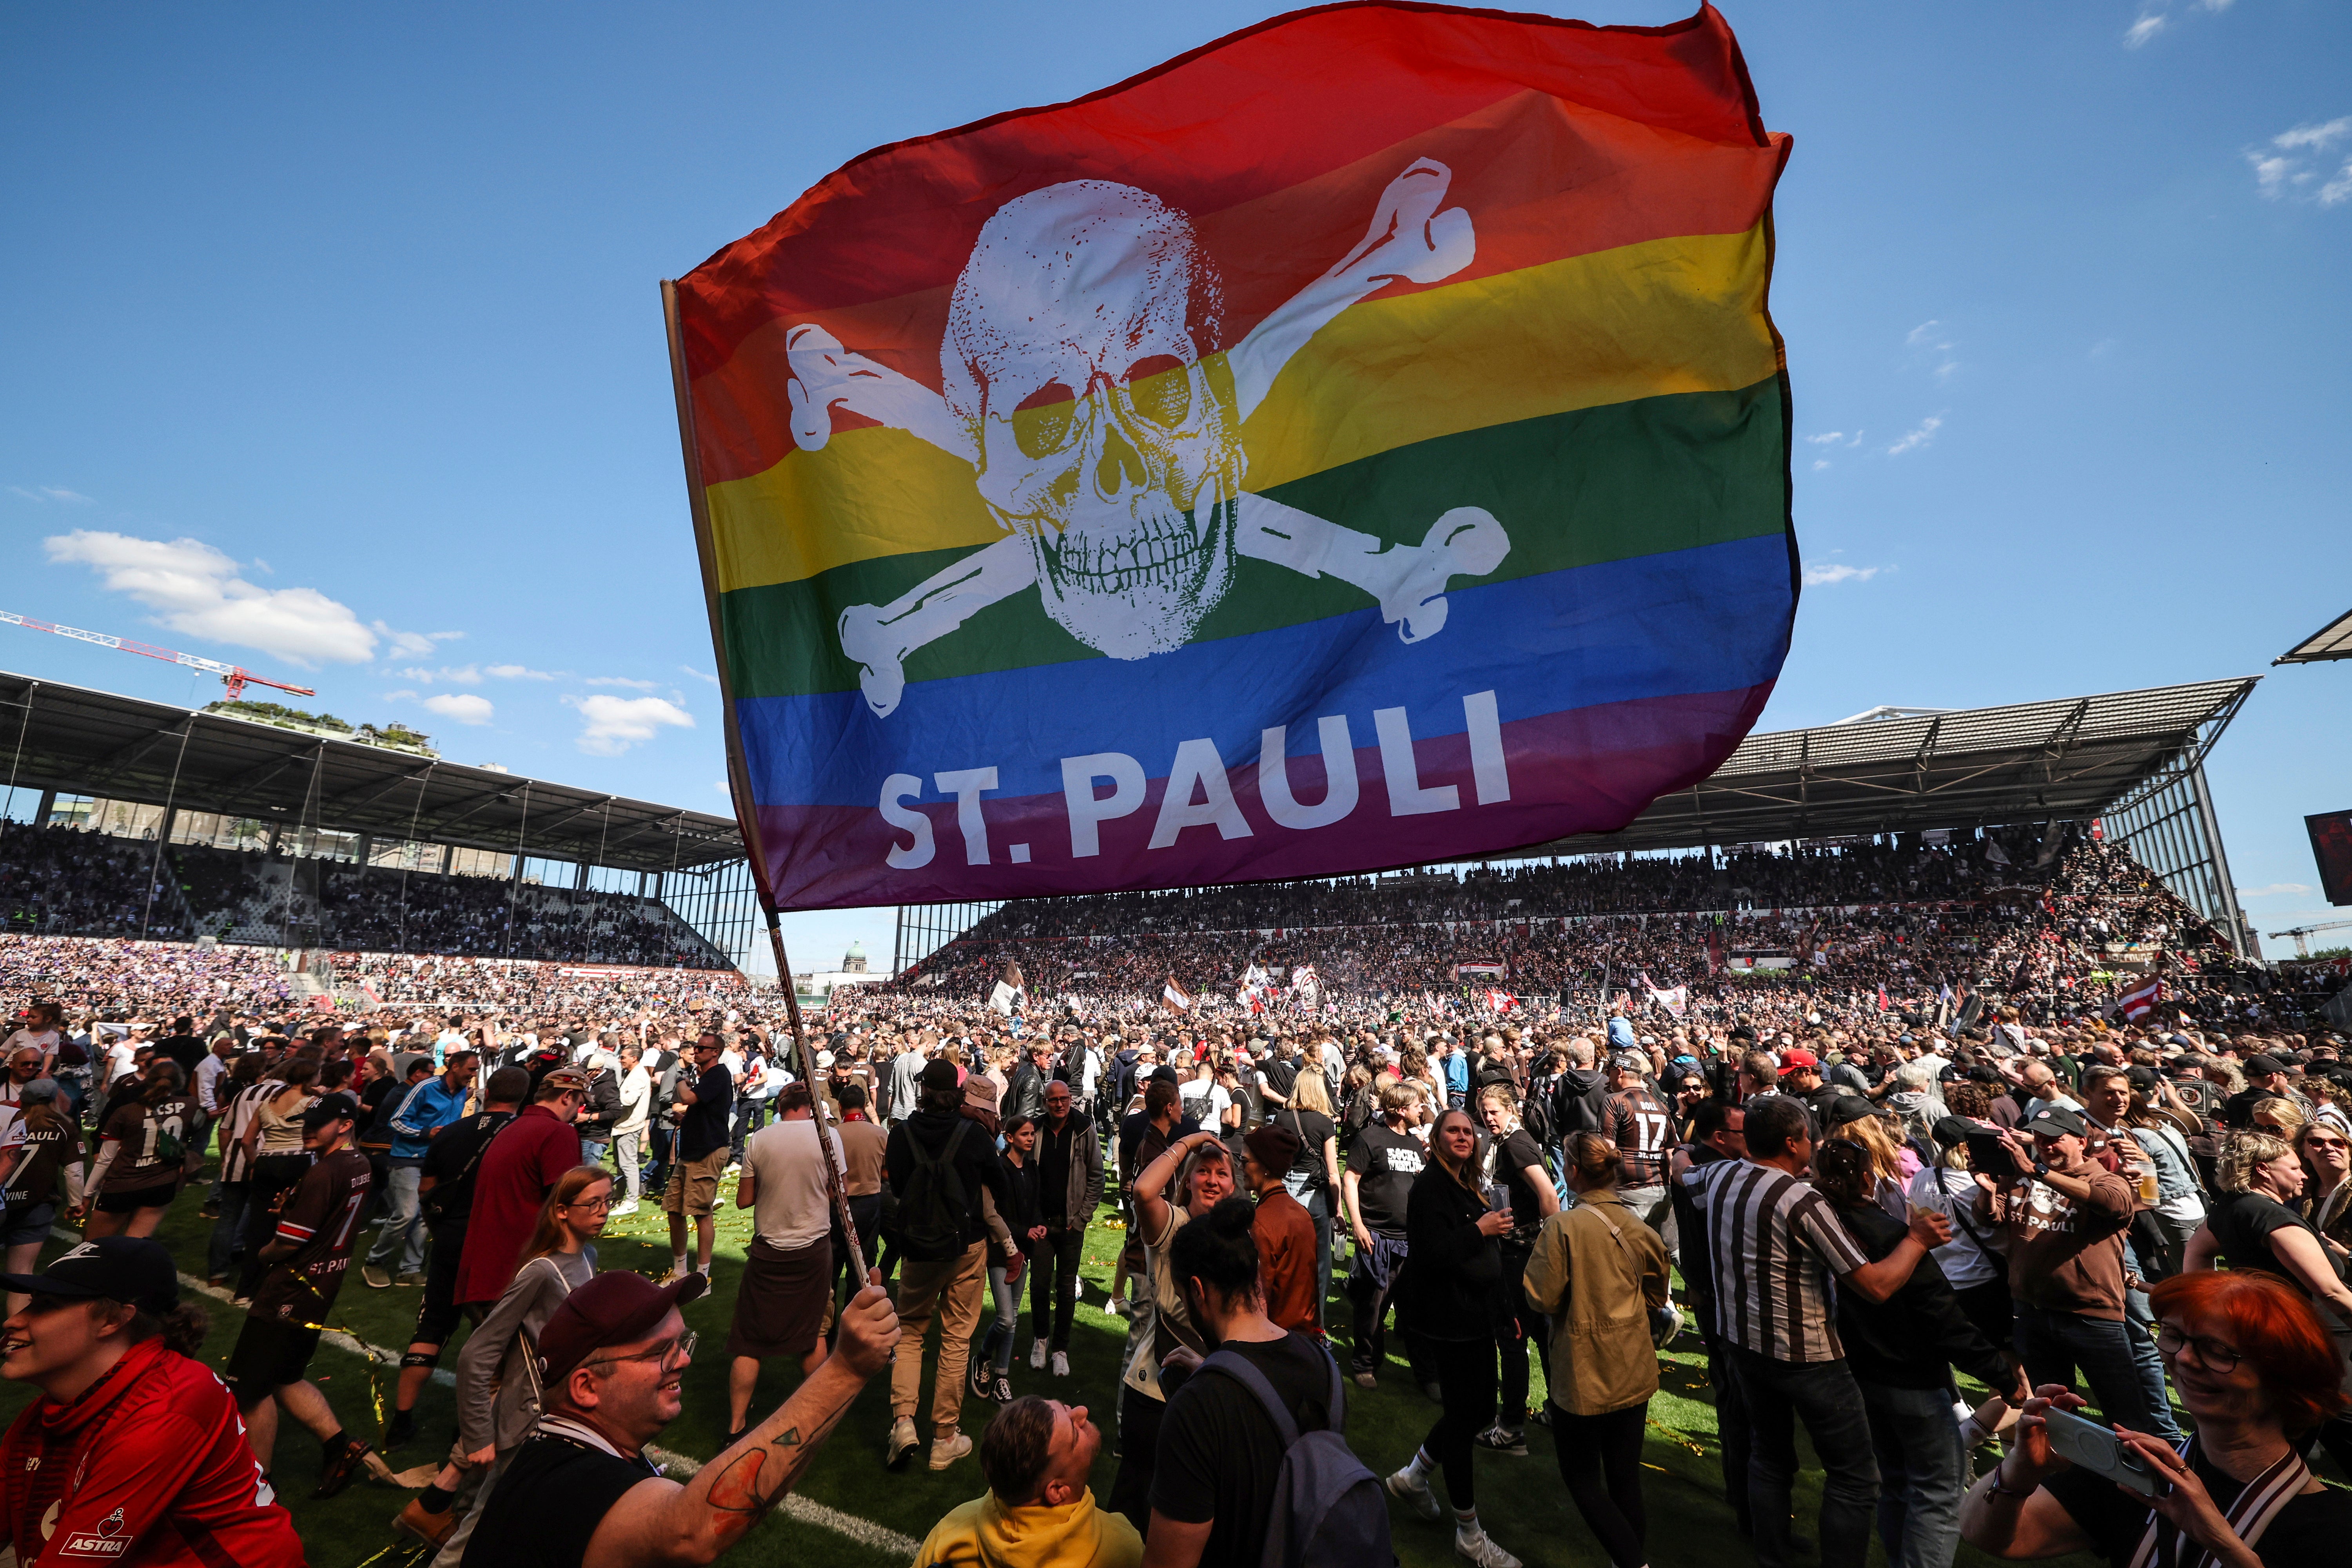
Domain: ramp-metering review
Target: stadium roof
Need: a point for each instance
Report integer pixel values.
(1976, 767)
(2333, 640)
(77, 741)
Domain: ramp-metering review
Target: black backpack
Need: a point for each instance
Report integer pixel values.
(935, 1208)
(1535, 1115)
(1329, 1510)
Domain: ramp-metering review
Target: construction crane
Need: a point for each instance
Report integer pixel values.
(2301, 948)
(233, 677)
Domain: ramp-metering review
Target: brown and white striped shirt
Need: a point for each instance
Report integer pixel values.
(1777, 1244)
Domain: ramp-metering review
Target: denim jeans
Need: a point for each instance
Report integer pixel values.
(1921, 1470)
(1054, 1282)
(1318, 1209)
(403, 1221)
(1825, 1396)
(2055, 1345)
(222, 1251)
(592, 1151)
(996, 1346)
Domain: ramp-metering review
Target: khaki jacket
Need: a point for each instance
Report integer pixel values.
(1598, 1271)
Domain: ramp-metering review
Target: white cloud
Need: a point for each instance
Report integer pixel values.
(1933, 337)
(2155, 17)
(1821, 576)
(622, 680)
(405, 645)
(52, 492)
(515, 672)
(463, 706)
(459, 675)
(193, 588)
(699, 674)
(2318, 138)
(1918, 437)
(1827, 438)
(1820, 463)
(614, 724)
(2273, 891)
(2295, 163)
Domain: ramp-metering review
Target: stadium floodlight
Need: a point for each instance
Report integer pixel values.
(233, 677)
(2333, 640)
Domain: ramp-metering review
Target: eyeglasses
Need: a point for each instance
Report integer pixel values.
(2326, 1144)
(2217, 1356)
(683, 1346)
(604, 1203)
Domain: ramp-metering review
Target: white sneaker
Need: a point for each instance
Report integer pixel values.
(1479, 1547)
(1037, 1355)
(902, 1445)
(1415, 1491)
(946, 1451)
(628, 1208)
(1061, 1365)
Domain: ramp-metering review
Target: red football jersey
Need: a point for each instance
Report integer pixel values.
(150, 1466)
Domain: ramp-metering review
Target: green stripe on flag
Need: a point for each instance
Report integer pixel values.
(1571, 490)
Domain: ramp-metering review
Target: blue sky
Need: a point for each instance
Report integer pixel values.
(362, 307)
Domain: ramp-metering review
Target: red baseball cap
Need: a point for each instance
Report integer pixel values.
(609, 1310)
(1795, 1057)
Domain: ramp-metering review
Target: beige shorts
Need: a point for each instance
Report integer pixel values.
(694, 1185)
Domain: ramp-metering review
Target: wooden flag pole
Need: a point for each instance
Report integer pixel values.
(837, 1180)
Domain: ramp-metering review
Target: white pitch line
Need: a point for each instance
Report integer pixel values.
(865, 1531)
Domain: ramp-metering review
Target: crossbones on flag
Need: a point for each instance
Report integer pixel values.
(1310, 456)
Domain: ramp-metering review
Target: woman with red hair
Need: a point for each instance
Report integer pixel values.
(2255, 1368)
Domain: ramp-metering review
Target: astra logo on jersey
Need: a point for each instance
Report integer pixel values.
(110, 1540)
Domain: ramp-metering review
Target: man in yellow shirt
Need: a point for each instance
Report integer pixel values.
(1037, 1513)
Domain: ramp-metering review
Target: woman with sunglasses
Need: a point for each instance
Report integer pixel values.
(2326, 1150)
(499, 1393)
(2252, 1364)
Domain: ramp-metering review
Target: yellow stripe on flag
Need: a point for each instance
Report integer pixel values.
(1643, 321)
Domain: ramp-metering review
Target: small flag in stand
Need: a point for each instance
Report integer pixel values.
(1881, 999)
(1173, 997)
(1011, 990)
(2141, 1001)
(1500, 1001)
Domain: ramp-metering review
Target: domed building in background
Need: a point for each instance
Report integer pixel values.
(817, 985)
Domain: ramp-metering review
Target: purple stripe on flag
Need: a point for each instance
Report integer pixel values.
(1587, 769)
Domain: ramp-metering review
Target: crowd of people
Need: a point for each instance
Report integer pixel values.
(61, 880)
(1879, 927)
(1935, 1229)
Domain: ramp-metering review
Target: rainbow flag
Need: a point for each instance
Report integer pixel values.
(1358, 442)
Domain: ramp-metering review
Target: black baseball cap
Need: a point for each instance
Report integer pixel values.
(132, 1270)
(330, 1108)
(2057, 1122)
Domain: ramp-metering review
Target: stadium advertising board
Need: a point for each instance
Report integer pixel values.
(2331, 846)
(1358, 442)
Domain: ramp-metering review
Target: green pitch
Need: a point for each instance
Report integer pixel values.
(1521, 1499)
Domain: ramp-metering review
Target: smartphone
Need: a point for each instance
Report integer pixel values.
(2091, 1447)
(1988, 1156)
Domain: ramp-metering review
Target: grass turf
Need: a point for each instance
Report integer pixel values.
(1521, 1500)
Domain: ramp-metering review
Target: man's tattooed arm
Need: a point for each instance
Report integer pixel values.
(660, 1524)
